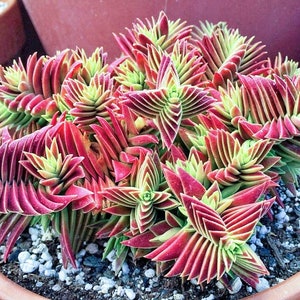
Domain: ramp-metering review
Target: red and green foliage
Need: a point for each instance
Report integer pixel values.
(168, 152)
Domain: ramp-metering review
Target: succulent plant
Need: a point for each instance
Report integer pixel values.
(142, 200)
(170, 152)
(169, 103)
(213, 241)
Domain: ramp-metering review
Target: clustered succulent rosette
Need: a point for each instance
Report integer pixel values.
(172, 152)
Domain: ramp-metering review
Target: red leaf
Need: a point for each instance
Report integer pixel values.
(121, 170)
(160, 228)
(191, 186)
(190, 250)
(18, 227)
(249, 195)
(174, 182)
(142, 240)
(118, 210)
(172, 248)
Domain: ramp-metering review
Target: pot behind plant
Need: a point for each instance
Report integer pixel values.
(89, 24)
(12, 36)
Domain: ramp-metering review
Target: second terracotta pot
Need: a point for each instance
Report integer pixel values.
(12, 35)
(89, 24)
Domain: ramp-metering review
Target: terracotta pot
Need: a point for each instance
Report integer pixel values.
(90, 23)
(12, 35)
(11, 291)
(285, 290)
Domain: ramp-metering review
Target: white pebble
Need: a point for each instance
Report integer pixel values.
(106, 284)
(150, 273)
(56, 288)
(210, 297)
(81, 253)
(29, 266)
(69, 280)
(120, 291)
(253, 247)
(96, 288)
(281, 215)
(286, 261)
(71, 269)
(111, 255)
(253, 239)
(62, 275)
(42, 269)
(289, 193)
(130, 294)
(259, 243)
(79, 278)
(194, 281)
(92, 248)
(48, 264)
(88, 286)
(220, 285)
(50, 273)
(105, 280)
(47, 235)
(33, 231)
(23, 256)
(39, 284)
(125, 268)
(262, 285)
(33, 256)
(34, 237)
(263, 231)
(40, 248)
(46, 256)
(59, 256)
(236, 286)
(178, 297)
